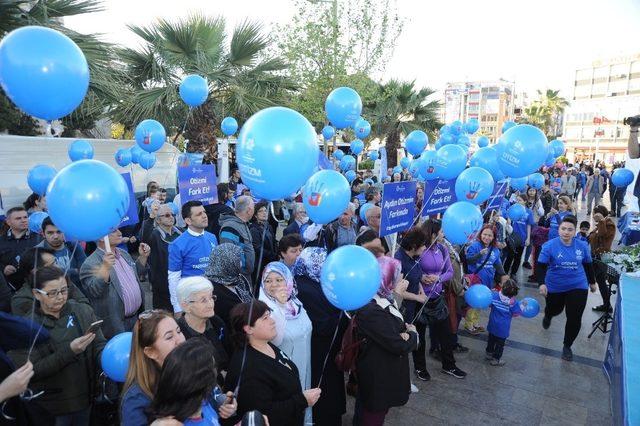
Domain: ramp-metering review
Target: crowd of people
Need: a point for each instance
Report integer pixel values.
(240, 324)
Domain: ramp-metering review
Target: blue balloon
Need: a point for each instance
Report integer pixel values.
(478, 296)
(80, 150)
(557, 147)
(350, 277)
(363, 211)
(229, 126)
(474, 185)
(362, 128)
(461, 221)
(350, 175)
(369, 181)
(416, 142)
(343, 107)
(347, 163)
(150, 135)
(487, 158)
(373, 155)
(536, 180)
(338, 154)
(428, 165)
(397, 169)
(472, 126)
(551, 159)
(35, 221)
(519, 184)
(456, 127)
(414, 167)
(147, 160)
(451, 161)
(438, 144)
(87, 189)
(326, 196)
(445, 129)
(328, 132)
(356, 146)
(622, 177)
(39, 177)
(464, 140)
(136, 152)
(174, 208)
(516, 212)
(447, 139)
(277, 152)
(507, 125)
(43, 72)
(529, 307)
(405, 162)
(194, 90)
(522, 151)
(115, 356)
(123, 157)
(483, 141)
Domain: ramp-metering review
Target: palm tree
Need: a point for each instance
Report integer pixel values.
(398, 109)
(546, 112)
(243, 78)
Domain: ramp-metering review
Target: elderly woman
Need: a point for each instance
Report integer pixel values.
(196, 298)
(293, 326)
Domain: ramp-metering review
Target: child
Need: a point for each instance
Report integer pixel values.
(503, 307)
(584, 231)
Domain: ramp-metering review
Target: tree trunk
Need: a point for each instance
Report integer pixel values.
(392, 145)
(200, 131)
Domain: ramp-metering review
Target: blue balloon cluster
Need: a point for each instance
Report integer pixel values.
(150, 135)
(39, 178)
(80, 150)
(229, 126)
(343, 107)
(326, 196)
(194, 90)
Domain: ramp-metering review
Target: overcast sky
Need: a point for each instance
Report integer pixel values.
(537, 43)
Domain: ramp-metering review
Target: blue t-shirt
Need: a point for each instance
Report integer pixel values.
(488, 270)
(190, 254)
(564, 265)
(520, 226)
(554, 223)
(502, 310)
(208, 417)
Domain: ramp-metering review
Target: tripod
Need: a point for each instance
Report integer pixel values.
(606, 319)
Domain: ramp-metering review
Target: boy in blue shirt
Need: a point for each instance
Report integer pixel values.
(503, 307)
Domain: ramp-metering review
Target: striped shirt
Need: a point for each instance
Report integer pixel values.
(131, 295)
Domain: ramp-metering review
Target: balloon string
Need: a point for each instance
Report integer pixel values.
(326, 358)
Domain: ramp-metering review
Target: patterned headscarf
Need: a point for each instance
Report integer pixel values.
(225, 268)
(293, 305)
(390, 269)
(310, 262)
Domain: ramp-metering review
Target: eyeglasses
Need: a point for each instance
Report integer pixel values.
(167, 215)
(54, 293)
(204, 300)
(149, 313)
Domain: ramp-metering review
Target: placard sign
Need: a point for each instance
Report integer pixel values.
(398, 207)
(198, 182)
(438, 195)
(499, 190)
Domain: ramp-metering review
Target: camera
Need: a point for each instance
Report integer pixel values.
(632, 121)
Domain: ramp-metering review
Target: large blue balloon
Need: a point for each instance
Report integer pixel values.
(478, 296)
(123, 157)
(474, 185)
(350, 277)
(373, 155)
(438, 144)
(229, 126)
(347, 163)
(136, 152)
(536, 180)
(557, 147)
(87, 200)
(529, 307)
(343, 107)
(326, 196)
(461, 221)
(622, 177)
(487, 158)
(194, 90)
(350, 175)
(147, 160)
(39, 177)
(416, 142)
(522, 151)
(451, 161)
(445, 129)
(338, 154)
(277, 152)
(456, 127)
(356, 146)
(516, 212)
(483, 141)
(464, 140)
(447, 138)
(519, 184)
(508, 125)
(35, 221)
(115, 356)
(328, 132)
(428, 165)
(43, 72)
(472, 126)
(150, 135)
(362, 128)
(80, 150)
(405, 162)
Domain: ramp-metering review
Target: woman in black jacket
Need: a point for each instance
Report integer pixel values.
(325, 318)
(268, 245)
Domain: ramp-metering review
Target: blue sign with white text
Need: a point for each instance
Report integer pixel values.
(499, 189)
(198, 182)
(131, 218)
(398, 207)
(438, 195)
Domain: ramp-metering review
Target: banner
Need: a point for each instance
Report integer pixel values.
(398, 207)
(499, 190)
(383, 163)
(198, 182)
(438, 195)
(131, 218)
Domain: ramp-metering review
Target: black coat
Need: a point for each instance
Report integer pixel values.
(226, 300)
(324, 317)
(383, 364)
(10, 251)
(158, 267)
(268, 247)
(214, 211)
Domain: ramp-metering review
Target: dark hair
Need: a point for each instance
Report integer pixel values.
(151, 184)
(258, 206)
(510, 288)
(30, 202)
(47, 222)
(186, 208)
(366, 236)
(413, 239)
(288, 241)
(601, 209)
(31, 259)
(162, 190)
(15, 209)
(570, 219)
(45, 274)
(188, 376)
(223, 190)
(585, 224)
(493, 229)
(239, 317)
(430, 228)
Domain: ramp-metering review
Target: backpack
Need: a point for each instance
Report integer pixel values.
(349, 348)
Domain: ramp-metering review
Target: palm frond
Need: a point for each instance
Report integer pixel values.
(247, 41)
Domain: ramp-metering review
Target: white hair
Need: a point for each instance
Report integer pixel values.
(352, 207)
(188, 286)
(242, 203)
(297, 208)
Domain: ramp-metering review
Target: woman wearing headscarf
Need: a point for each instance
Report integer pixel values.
(230, 287)
(325, 318)
(293, 326)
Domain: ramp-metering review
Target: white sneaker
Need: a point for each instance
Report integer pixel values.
(414, 388)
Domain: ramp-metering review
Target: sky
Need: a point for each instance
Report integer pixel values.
(538, 44)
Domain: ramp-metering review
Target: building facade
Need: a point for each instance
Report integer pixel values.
(604, 93)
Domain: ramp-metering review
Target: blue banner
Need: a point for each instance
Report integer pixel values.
(438, 195)
(398, 207)
(131, 218)
(198, 182)
(499, 190)
(383, 163)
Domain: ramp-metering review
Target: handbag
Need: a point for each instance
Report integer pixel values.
(434, 311)
(514, 241)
